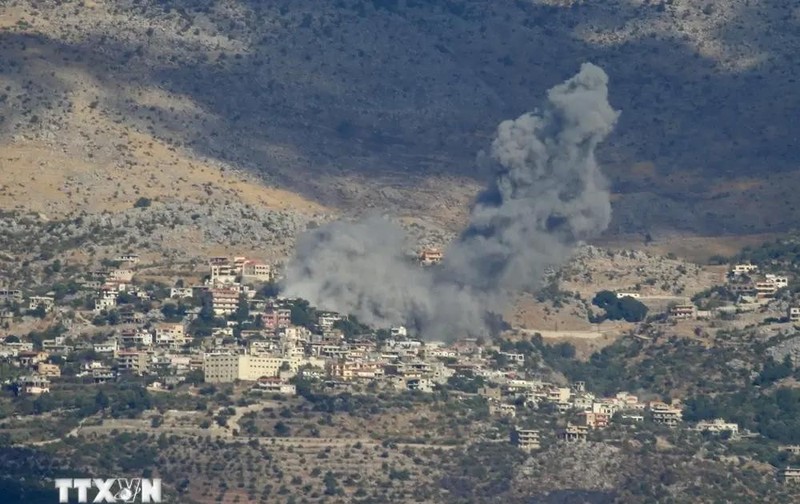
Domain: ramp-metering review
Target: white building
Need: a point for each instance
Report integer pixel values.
(181, 292)
(777, 280)
(398, 332)
(744, 268)
(48, 302)
(718, 425)
(107, 299)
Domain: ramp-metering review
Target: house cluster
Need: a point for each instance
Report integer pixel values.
(752, 291)
(587, 411)
(281, 350)
(140, 342)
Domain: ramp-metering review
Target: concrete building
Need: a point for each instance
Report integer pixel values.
(766, 289)
(181, 292)
(223, 271)
(526, 439)
(718, 425)
(10, 295)
(256, 271)
(398, 332)
(574, 433)
(170, 334)
(744, 268)
(220, 367)
(35, 384)
(121, 275)
(134, 362)
(517, 359)
(135, 337)
(777, 280)
(325, 320)
(251, 368)
(48, 302)
(789, 475)
(276, 318)
(48, 370)
(275, 386)
(683, 311)
(665, 414)
(430, 256)
(107, 299)
(224, 301)
(108, 347)
(594, 420)
(794, 315)
(128, 258)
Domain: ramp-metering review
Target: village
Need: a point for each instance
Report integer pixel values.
(234, 328)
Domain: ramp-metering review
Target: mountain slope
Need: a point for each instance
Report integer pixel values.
(385, 103)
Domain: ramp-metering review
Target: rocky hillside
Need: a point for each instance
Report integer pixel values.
(385, 103)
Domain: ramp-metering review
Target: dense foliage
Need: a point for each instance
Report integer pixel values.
(774, 414)
(616, 308)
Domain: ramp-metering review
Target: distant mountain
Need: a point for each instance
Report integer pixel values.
(385, 103)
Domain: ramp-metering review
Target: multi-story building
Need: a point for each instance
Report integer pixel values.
(276, 318)
(275, 386)
(221, 367)
(430, 256)
(128, 258)
(526, 439)
(135, 337)
(107, 298)
(789, 475)
(47, 302)
(794, 314)
(743, 269)
(594, 420)
(251, 368)
(134, 362)
(665, 414)
(170, 334)
(513, 358)
(574, 433)
(223, 271)
(777, 280)
(109, 346)
(121, 275)
(224, 301)
(256, 271)
(10, 295)
(683, 311)
(48, 370)
(718, 425)
(35, 384)
(325, 320)
(181, 292)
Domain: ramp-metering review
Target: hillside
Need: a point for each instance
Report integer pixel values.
(356, 104)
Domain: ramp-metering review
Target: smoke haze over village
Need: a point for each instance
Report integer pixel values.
(547, 194)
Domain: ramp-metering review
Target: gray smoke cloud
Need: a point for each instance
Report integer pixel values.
(546, 195)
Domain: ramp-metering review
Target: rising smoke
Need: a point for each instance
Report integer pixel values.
(547, 194)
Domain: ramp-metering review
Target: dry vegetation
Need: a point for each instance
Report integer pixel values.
(168, 101)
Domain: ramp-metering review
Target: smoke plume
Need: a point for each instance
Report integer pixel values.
(546, 195)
